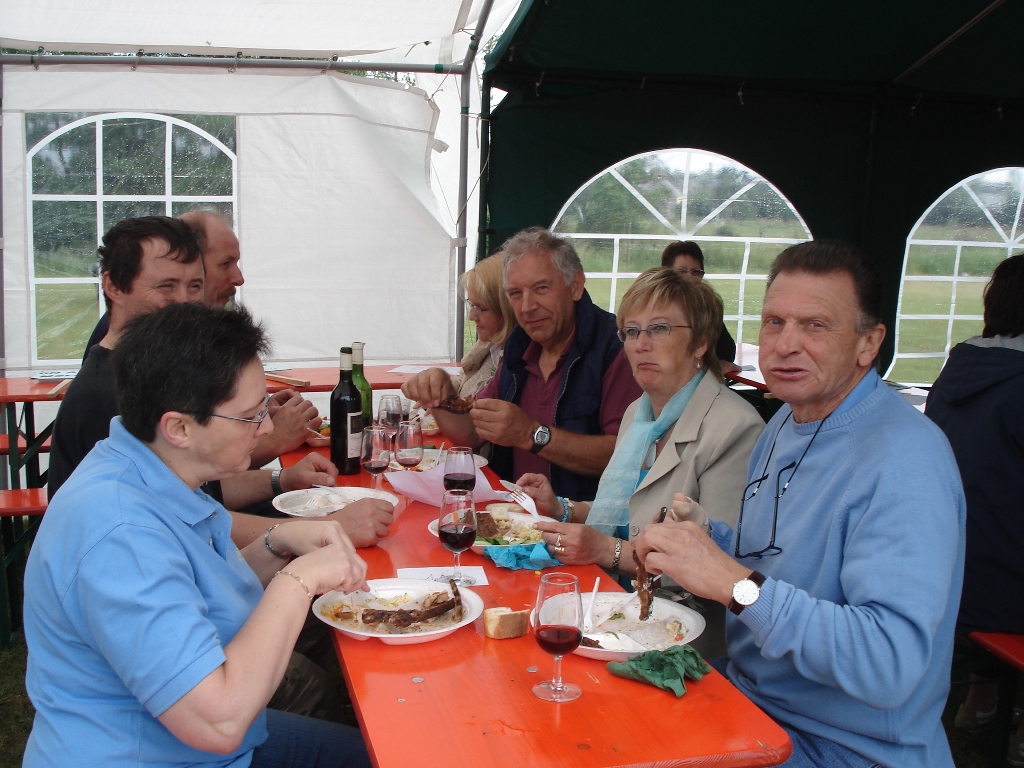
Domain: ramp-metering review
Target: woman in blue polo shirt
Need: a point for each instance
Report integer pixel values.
(152, 639)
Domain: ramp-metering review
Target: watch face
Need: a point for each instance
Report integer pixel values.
(745, 592)
(541, 435)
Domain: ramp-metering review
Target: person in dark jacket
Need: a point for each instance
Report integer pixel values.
(554, 406)
(978, 401)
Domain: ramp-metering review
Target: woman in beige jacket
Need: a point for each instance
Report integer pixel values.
(688, 434)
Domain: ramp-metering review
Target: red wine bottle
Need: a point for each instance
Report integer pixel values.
(346, 419)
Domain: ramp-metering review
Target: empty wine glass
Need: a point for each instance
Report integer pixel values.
(456, 528)
(375, 454)
(409, 444)
(459, 469)
(558, 627)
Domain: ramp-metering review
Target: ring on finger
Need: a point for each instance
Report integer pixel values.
(558, 542)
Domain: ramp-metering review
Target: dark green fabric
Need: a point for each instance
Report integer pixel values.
(803, 93)
(666, 669)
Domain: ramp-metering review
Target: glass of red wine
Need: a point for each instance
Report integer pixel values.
(456, 528)
(375, 454)
(389, 414)
(459, 469)
(409, 444)
(558, 627)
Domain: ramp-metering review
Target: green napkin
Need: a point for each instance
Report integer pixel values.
(664, 669)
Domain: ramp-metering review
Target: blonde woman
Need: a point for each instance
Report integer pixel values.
(492, 314)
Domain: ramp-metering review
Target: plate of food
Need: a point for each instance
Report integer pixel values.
(317, 502)
(400, 611)
(324, 430)
(501, 525)
(431, 458)
(618, 633)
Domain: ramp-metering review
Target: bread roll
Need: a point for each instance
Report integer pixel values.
(503, 623)
(501, 509)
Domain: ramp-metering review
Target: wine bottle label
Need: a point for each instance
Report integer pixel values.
(355, 434)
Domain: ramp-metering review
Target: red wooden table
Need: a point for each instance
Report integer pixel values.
(23, 443)
(466, 700)
(325, 379)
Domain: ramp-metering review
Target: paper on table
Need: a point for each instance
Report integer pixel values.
(451, 370)
(428, 486)
(475, 571)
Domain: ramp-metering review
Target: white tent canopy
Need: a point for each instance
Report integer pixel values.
(411, 31)
(345, 198)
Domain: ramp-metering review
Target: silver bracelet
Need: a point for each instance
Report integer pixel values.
(289, 573)
(270, 547)
(618, 554)
(275, 482)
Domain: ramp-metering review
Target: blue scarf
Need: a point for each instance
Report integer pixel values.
(626, 467)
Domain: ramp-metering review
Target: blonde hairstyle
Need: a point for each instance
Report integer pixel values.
(666, 287)
(485, 281)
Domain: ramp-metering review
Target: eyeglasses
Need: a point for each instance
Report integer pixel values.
(780, 489)
(470, 306)
(259, 416)
(694, 272)
(655, 331)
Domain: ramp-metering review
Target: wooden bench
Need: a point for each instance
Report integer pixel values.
(21, 511)
(1009, 649)
(5, 444)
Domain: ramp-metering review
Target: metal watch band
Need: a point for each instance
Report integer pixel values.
(758, 578)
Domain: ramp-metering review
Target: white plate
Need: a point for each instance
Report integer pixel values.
(310, 502)
(472, 608)
(519, 517)
(693, 623)
(430, 461)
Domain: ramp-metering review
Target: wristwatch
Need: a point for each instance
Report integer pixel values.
(746, 591)
(541, 437)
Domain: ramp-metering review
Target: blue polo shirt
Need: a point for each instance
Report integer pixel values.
(132, 590)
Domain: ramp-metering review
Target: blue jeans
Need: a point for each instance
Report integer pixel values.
(295, 741)
(815, 752)
(811, 751)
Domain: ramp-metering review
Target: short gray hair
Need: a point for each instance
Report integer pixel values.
(538, 240)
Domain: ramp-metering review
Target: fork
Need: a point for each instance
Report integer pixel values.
(527, 503)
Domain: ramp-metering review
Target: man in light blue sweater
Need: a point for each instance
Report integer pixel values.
(843, 575)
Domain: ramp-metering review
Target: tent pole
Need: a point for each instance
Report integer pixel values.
(468, 78)
(3, 324)
(225, 62)
(482, 243)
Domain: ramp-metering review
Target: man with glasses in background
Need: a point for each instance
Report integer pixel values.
(843, 574)
(688, 258)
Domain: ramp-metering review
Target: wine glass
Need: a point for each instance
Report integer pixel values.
(409, 444)
(389, 414)
(459, 469)
(456, 528)
(558, 627)
(375, 454)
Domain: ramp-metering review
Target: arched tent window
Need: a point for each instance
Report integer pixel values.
(951, 253)
(622, 219)
(86, 173)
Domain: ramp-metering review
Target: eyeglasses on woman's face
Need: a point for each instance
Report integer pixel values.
(470, 306)
(259, 416)
(654, 330)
